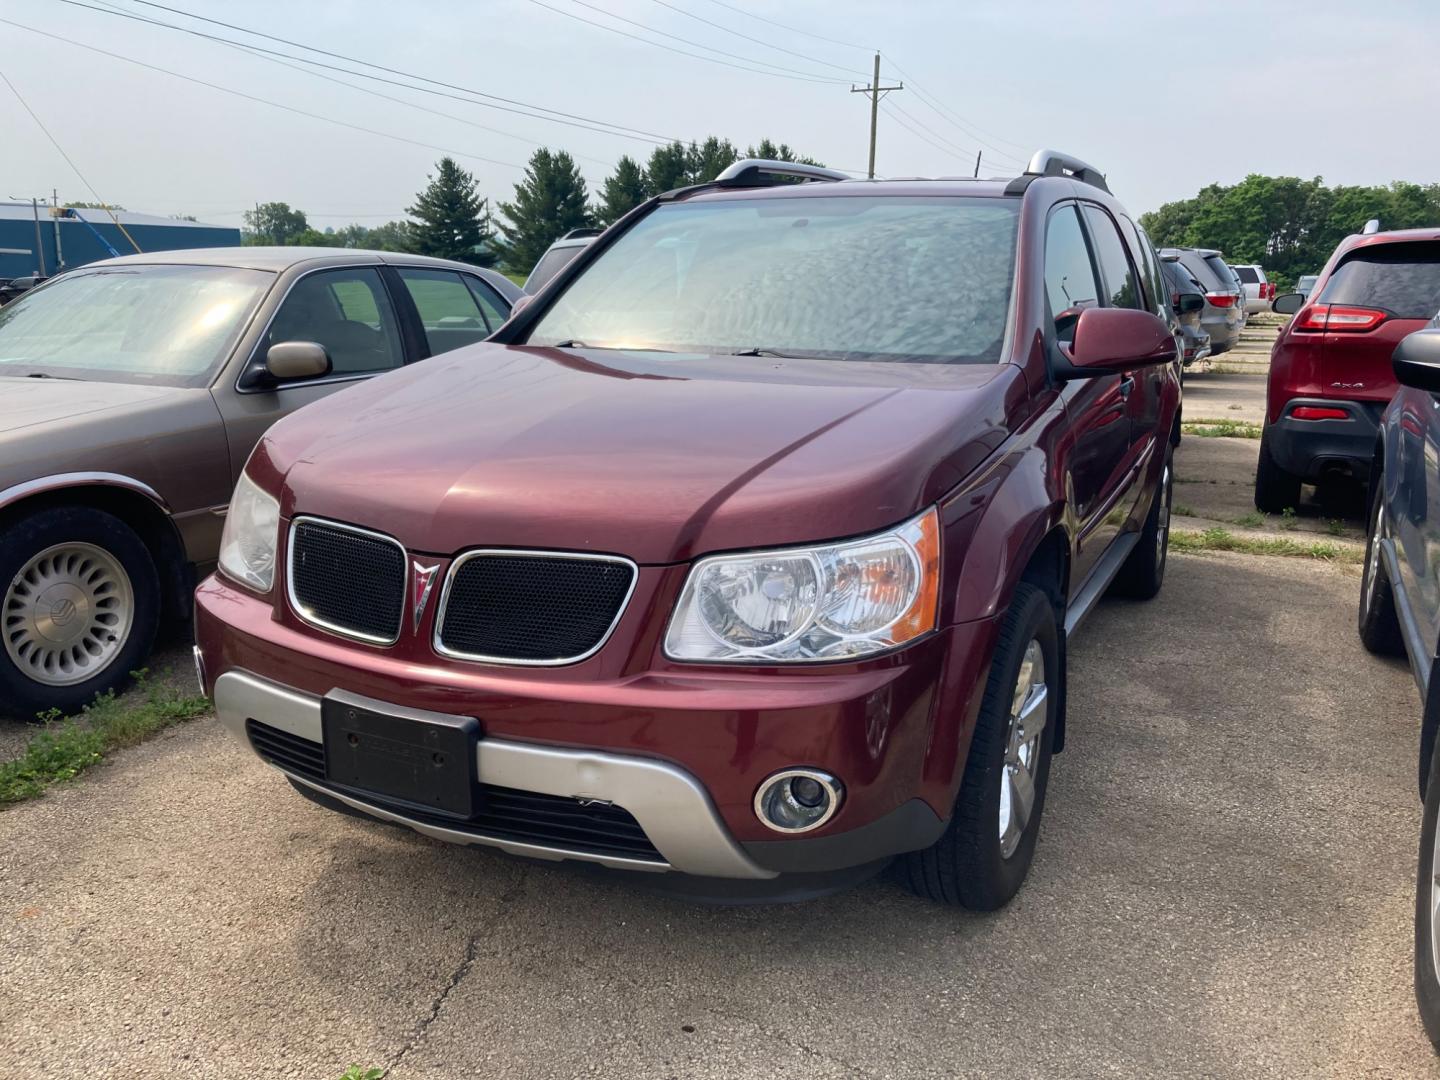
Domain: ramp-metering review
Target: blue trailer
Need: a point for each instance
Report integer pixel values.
(69, 238)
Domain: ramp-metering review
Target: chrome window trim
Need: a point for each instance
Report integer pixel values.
(477, 553)
(306, 616)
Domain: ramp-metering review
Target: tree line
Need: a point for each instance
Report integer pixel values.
(1286, 224)
(450, 220)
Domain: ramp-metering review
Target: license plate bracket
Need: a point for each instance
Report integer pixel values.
(406, 755)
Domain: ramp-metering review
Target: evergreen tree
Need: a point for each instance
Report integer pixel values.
(708, 160)
(771, 152)
(668, 168)
(623, 190)
(453, 222)
(549, 202)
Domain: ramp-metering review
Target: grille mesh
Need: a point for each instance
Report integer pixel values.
(349, 580)
(536, 608)
(501, 813)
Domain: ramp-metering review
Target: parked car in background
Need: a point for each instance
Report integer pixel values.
(131, 393)
(14, 287)
(1223, 315)
(1400, 606)
(1187, 304)
(1256, 286)
(558, 256)
(716, 558)
(1304, 284)
(1330, 371)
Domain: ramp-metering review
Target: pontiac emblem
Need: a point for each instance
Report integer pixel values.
(424, 582)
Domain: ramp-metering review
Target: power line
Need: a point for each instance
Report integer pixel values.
(950, 151)
(619, 128)
(792, 29)
(274, 57)
(260, 100)
(758, 41)
(68, 160)
(779, 74)
(938, 139)
(954, 118)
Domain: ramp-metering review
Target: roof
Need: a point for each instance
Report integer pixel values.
(1393, 236)
(12, 211)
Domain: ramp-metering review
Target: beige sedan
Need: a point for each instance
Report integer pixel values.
(131, 393)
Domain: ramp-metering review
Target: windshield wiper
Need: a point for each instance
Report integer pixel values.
(46, 375)
(755, 350)
(569, 343)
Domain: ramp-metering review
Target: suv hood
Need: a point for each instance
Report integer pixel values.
(659, 458)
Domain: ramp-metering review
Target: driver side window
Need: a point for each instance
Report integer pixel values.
(1070, 284)
(349, 313)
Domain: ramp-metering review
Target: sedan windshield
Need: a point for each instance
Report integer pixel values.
(166, 325)
(838, 277)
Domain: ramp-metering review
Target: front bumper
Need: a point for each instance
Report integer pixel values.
(1311, 448)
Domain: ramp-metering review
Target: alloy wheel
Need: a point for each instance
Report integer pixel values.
(1162, 520)
(1029, 710)
(67, 613)
(1372, 556)
(1435, 904)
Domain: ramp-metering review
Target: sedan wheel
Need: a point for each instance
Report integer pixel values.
(67, 614)
(1028, 711)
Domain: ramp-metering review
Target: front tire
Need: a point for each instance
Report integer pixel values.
(982, 858)
(1378, 623)
(78, 612)
(1275, 489)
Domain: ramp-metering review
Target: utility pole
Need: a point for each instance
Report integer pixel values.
(55, 224)
(875, 92)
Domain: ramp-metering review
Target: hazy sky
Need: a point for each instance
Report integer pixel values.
(1164, 97)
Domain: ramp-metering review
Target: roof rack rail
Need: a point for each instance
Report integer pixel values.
(577, 234)
(1054, 163)
(751, 172)
(1372, 226)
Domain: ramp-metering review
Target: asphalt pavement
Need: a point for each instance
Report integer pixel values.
(1223, 887)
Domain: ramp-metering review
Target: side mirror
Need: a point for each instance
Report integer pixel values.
(1187, 302)
(1416, 360)
(296, 360)
(1111, 340)
(1288, 303)
(519, 305)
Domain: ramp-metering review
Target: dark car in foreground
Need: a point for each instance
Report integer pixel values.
(1330, 371)
(748, 549)
(131, 392)
(1400, 605)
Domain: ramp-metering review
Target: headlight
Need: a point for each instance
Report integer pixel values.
(835, 602)
(247, 546)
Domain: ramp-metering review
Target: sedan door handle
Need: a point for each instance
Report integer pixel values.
(1126, 385)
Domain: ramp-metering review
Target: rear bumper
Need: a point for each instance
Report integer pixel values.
(1311, 448)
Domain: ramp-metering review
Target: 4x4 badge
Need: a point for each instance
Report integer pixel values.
(424, 582)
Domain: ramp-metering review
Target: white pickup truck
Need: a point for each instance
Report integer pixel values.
(1258, 291)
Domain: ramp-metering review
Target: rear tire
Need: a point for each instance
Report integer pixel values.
(1379, 624)
(79, 604)
(979, 863)
(1275, 489)
(1427, 977)
(1142, 574)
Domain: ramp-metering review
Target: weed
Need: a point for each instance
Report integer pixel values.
(1288, 521)
(64, 748)
(1253, 520)
(1335, 527)
(1236, 407)
(1219, 539)
(1221, 428)
(1183, 510)
(356, 1072)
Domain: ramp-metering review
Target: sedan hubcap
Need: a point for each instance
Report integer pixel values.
(1028, 713)
(1372, 560)
(1162, 520)
(67, 614)
(1435, 904)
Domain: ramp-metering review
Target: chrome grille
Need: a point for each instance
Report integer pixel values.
(531, 607)
(348, 580)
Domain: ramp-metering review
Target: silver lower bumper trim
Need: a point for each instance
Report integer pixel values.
(670, 805)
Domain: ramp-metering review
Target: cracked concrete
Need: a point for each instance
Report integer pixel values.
(1223, 887)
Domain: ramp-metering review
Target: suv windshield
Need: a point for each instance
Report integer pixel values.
(166, 325)
(1402, 279)
(838, 277)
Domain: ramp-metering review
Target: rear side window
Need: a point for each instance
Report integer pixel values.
(1222, 270)
(1121, 289)
(1205, 274)
(1402, 279)
(447, 309)
(1247, 274)
(1151, 276)
(1070, 283)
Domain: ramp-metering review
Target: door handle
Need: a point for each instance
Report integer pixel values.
(1126, 385)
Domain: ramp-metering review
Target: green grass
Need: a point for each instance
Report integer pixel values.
(1253, 520)
(1222, 540)
(1183, 510)
(64, 748)
(1223, 428)
(1288, 521)
(1335, 527)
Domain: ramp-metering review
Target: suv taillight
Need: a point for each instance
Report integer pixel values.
(1220, 299)
(1338, 319)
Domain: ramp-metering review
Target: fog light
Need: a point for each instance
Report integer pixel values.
(798, 800)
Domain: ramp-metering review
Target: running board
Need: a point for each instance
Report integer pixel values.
(1100, 579)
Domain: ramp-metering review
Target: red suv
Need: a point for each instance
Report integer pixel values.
(749, 549)
(1330, 373)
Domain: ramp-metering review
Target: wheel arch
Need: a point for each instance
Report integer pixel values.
(135, 503)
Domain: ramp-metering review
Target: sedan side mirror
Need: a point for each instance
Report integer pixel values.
(1288, 303)
(296, 360)
(1187, 302)
(1416, 360)
(1111, 340)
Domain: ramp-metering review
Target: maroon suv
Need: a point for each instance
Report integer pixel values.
(1330, 373)
(749, 549)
